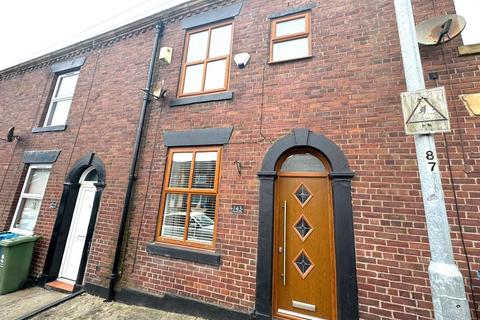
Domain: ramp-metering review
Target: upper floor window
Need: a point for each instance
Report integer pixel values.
(61, 99)
(469, 9)
(31, 198)
(290, 38)
(189, 202)
(206, 60)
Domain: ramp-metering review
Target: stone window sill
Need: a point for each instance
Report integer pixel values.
(205, 257)
(202, 99)
(49, 129)
(469, 50)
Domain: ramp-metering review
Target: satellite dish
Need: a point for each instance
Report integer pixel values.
(159, 91)
(439, 30)
(10, 134)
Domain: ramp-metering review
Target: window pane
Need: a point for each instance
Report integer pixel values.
(66, 86)
(290, 27)
(290, 49)
(202, 218)
(28, 214)
(197, 46)
(220, 41)
(304, 162)
(59, 113)
(215, 78)
(92, 176)
(38, 181)
(174, 215)
(193, 79)
(180, 172)
(204, 170)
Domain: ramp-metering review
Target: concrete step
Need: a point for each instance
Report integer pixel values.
(59, 286)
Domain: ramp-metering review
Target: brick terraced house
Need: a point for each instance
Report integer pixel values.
(269, 177)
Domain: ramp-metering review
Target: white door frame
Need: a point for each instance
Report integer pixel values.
(84, 186)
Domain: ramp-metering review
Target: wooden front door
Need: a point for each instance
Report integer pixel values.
(304, 260)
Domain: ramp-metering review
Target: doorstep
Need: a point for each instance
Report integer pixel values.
(60, 286)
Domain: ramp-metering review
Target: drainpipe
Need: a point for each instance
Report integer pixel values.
(133, 166)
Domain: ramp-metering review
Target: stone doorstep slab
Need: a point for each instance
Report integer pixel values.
(60, 286)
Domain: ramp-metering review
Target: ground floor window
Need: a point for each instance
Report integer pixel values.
(189, 202)
(30, 200)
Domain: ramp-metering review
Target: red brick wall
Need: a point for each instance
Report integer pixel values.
(102, 119)
(349, 92)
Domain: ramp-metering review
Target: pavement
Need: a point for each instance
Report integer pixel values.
(16, 304)
(85, 307)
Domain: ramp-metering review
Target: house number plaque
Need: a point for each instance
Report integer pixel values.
(237, 208)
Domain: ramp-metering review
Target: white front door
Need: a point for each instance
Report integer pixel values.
(72, 255)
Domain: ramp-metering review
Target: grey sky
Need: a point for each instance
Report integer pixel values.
(30, 28)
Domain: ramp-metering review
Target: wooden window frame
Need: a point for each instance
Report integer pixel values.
(189, 191)
(205, 61)
(289, 37)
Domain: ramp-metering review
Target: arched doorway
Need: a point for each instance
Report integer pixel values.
(303, 252)
(335, 178)
(77, 233)
(84, 181)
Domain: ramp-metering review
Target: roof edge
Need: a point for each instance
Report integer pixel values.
(137, 26)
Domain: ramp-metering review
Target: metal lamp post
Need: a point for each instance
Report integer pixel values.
(448, 289)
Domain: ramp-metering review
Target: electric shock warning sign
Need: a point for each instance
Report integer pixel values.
(425, 111)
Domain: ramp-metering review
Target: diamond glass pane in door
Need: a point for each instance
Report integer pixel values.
(303, 228)
(303, 264)
(302, 195)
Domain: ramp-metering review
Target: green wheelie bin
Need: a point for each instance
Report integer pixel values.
(15, 258)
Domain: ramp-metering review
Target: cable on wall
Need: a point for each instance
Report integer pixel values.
(460, 226)
(462, 141)
(140, 227)
(84, 110)
(452, 182)
(262, 102)
(5, 176)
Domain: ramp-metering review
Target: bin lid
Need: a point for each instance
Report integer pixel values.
(8, 235)
(19, 239)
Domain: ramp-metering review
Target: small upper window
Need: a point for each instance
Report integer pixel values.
(206, 61)
(61, 99)
(291, 38)
(469, 9)
(30, 200)
(302, 162)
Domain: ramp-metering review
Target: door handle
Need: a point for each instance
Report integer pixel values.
(284, 275)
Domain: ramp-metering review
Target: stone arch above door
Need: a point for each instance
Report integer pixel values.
(87, 161)
(341, 175)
